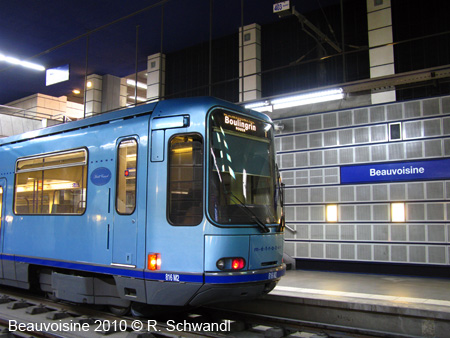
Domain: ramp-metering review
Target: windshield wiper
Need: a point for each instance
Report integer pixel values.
(262, 227)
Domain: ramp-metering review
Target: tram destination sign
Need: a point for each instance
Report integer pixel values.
(398, 171)
(241, 124)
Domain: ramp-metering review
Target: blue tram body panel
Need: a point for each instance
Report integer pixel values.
(77, 238)
(136, 200)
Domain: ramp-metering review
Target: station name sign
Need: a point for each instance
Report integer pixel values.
(399, 171)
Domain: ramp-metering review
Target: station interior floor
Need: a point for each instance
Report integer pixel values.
(430, 291)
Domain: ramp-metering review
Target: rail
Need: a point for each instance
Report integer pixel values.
(25, 314)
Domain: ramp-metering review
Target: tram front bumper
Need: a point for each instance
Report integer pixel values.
(237, 286)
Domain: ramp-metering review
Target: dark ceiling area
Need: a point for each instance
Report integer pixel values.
(108, 35)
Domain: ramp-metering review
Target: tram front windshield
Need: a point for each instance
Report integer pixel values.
(241, 170)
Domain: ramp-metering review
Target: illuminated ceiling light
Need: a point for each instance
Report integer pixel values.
(141, 99)
(297, 100)
(139, 84)
(260, 106)
(268, 109)
(26, 64)
(398, 212)
(332, 214)
(76, 91)
(257, 105)
(309, 98)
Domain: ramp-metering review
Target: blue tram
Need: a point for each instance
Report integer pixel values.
(170, 203)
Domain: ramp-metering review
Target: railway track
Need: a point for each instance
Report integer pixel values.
(23, 314)
(29, 315)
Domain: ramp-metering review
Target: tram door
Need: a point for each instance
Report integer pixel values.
(125, 213)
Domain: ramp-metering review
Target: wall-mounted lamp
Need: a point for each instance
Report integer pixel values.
(398, 213)
(332, 213)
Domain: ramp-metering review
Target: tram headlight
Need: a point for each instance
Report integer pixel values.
(221, 264)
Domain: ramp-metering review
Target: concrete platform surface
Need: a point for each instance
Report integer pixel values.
(401, 290)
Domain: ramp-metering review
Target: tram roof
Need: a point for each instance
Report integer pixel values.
(190, 105)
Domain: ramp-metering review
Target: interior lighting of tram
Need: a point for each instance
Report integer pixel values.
(297, 100)
(186, 150)
(26, 64)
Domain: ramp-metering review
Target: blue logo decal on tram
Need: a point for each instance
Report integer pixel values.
(191, 213)
(101, 176)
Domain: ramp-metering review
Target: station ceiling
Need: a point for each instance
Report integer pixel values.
(53, 33)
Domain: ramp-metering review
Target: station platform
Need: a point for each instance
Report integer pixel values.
(399, 290)
(395, 305)
(378, 305)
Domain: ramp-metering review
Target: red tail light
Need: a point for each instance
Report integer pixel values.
(237, 263)
(154, 261)
(231, 263)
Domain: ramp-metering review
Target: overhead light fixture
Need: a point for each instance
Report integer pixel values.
(26, 64)
(308, 98)
(138, 98)
(139, 84)
(297, 100)
(263, 106)
(76, 91)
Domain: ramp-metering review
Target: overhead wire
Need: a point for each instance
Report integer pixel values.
(328, 23)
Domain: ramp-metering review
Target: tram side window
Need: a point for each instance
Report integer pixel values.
(126, 177)
(185, 196)
(51, 184)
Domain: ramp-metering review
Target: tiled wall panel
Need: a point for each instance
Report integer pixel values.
(311, 149)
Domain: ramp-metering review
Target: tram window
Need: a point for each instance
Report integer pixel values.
(51, 184)
(126, 177)
(185, 197)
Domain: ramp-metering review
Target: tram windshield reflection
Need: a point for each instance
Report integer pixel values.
(242, 187)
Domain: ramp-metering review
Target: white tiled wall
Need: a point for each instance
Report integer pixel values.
(312, 148)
